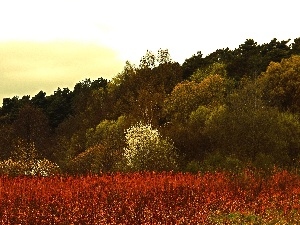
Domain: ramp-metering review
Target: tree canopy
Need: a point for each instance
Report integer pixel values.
(239, 104)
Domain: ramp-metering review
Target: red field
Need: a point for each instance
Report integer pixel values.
(152, 198)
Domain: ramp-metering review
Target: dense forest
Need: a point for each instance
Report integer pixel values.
(227, 110)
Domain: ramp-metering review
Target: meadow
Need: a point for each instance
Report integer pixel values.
(152, 198)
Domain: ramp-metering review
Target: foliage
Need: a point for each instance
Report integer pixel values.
(241, 103)
(187, 96)
(110, 132)
(191, 64)
(189, 137)
(264, 162)
(281, 84)
(41, 167)
(246, 127)
(152, 198)
(214, 69)
(96, 159)
(32, 127)
(147, 150)
(218, 162)
(24, 161)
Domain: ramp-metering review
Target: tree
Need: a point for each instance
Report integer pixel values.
(59, 106)
(6, 140)
(98, 158)
(24, 160)
(281, 84)
(9, 109)
(223, 56)
(140, 92)
(110, 132)
(148, 61)
(213, 69)
(190, 65)
(40, 100)
(163, 57)
(147, 150)
(295, 46)
(31, 126)
(246, 61)
(246, 127)
(275, 51)
(188, 96)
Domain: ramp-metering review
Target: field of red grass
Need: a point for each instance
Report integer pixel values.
(152, 198)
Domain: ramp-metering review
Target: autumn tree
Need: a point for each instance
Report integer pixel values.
(246, 127)
(281, 84)
(213, 69)
(140, 92)
(31, 126)
(189, 95)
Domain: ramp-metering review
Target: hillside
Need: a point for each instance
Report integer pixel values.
(228, 109)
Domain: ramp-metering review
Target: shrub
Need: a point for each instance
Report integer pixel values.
(193, 166)
(25, 161)
(264, 162)
(217, 162)
(98, 158)
(42, 167)
(147, 150)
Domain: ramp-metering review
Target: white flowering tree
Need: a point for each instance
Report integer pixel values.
(147, 150)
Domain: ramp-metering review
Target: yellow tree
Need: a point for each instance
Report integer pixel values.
(281, 84)
(187, 96)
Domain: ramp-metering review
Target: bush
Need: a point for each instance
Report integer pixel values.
(42, 167)
(217, 161)
(25, 161)
(193, 166)
(98, 158)
(264, 162)
(147, 150)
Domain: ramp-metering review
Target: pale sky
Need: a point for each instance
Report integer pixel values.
(45, 44)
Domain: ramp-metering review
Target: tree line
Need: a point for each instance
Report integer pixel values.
(227, 109)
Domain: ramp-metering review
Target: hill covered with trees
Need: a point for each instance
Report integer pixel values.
(228, 109)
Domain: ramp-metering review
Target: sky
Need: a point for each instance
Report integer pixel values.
(46, 44)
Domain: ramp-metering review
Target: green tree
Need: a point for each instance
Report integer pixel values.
(245, 127)
(40, 100)
(275, 51)
(59, 106)
(295, 47)
(110, 132)
(246, 61)
(191, 64)
(9, 109)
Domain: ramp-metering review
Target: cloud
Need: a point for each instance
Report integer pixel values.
(28, 67)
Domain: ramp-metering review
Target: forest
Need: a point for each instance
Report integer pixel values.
(228, 110)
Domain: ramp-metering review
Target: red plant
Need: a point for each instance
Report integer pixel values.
(145, 198)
